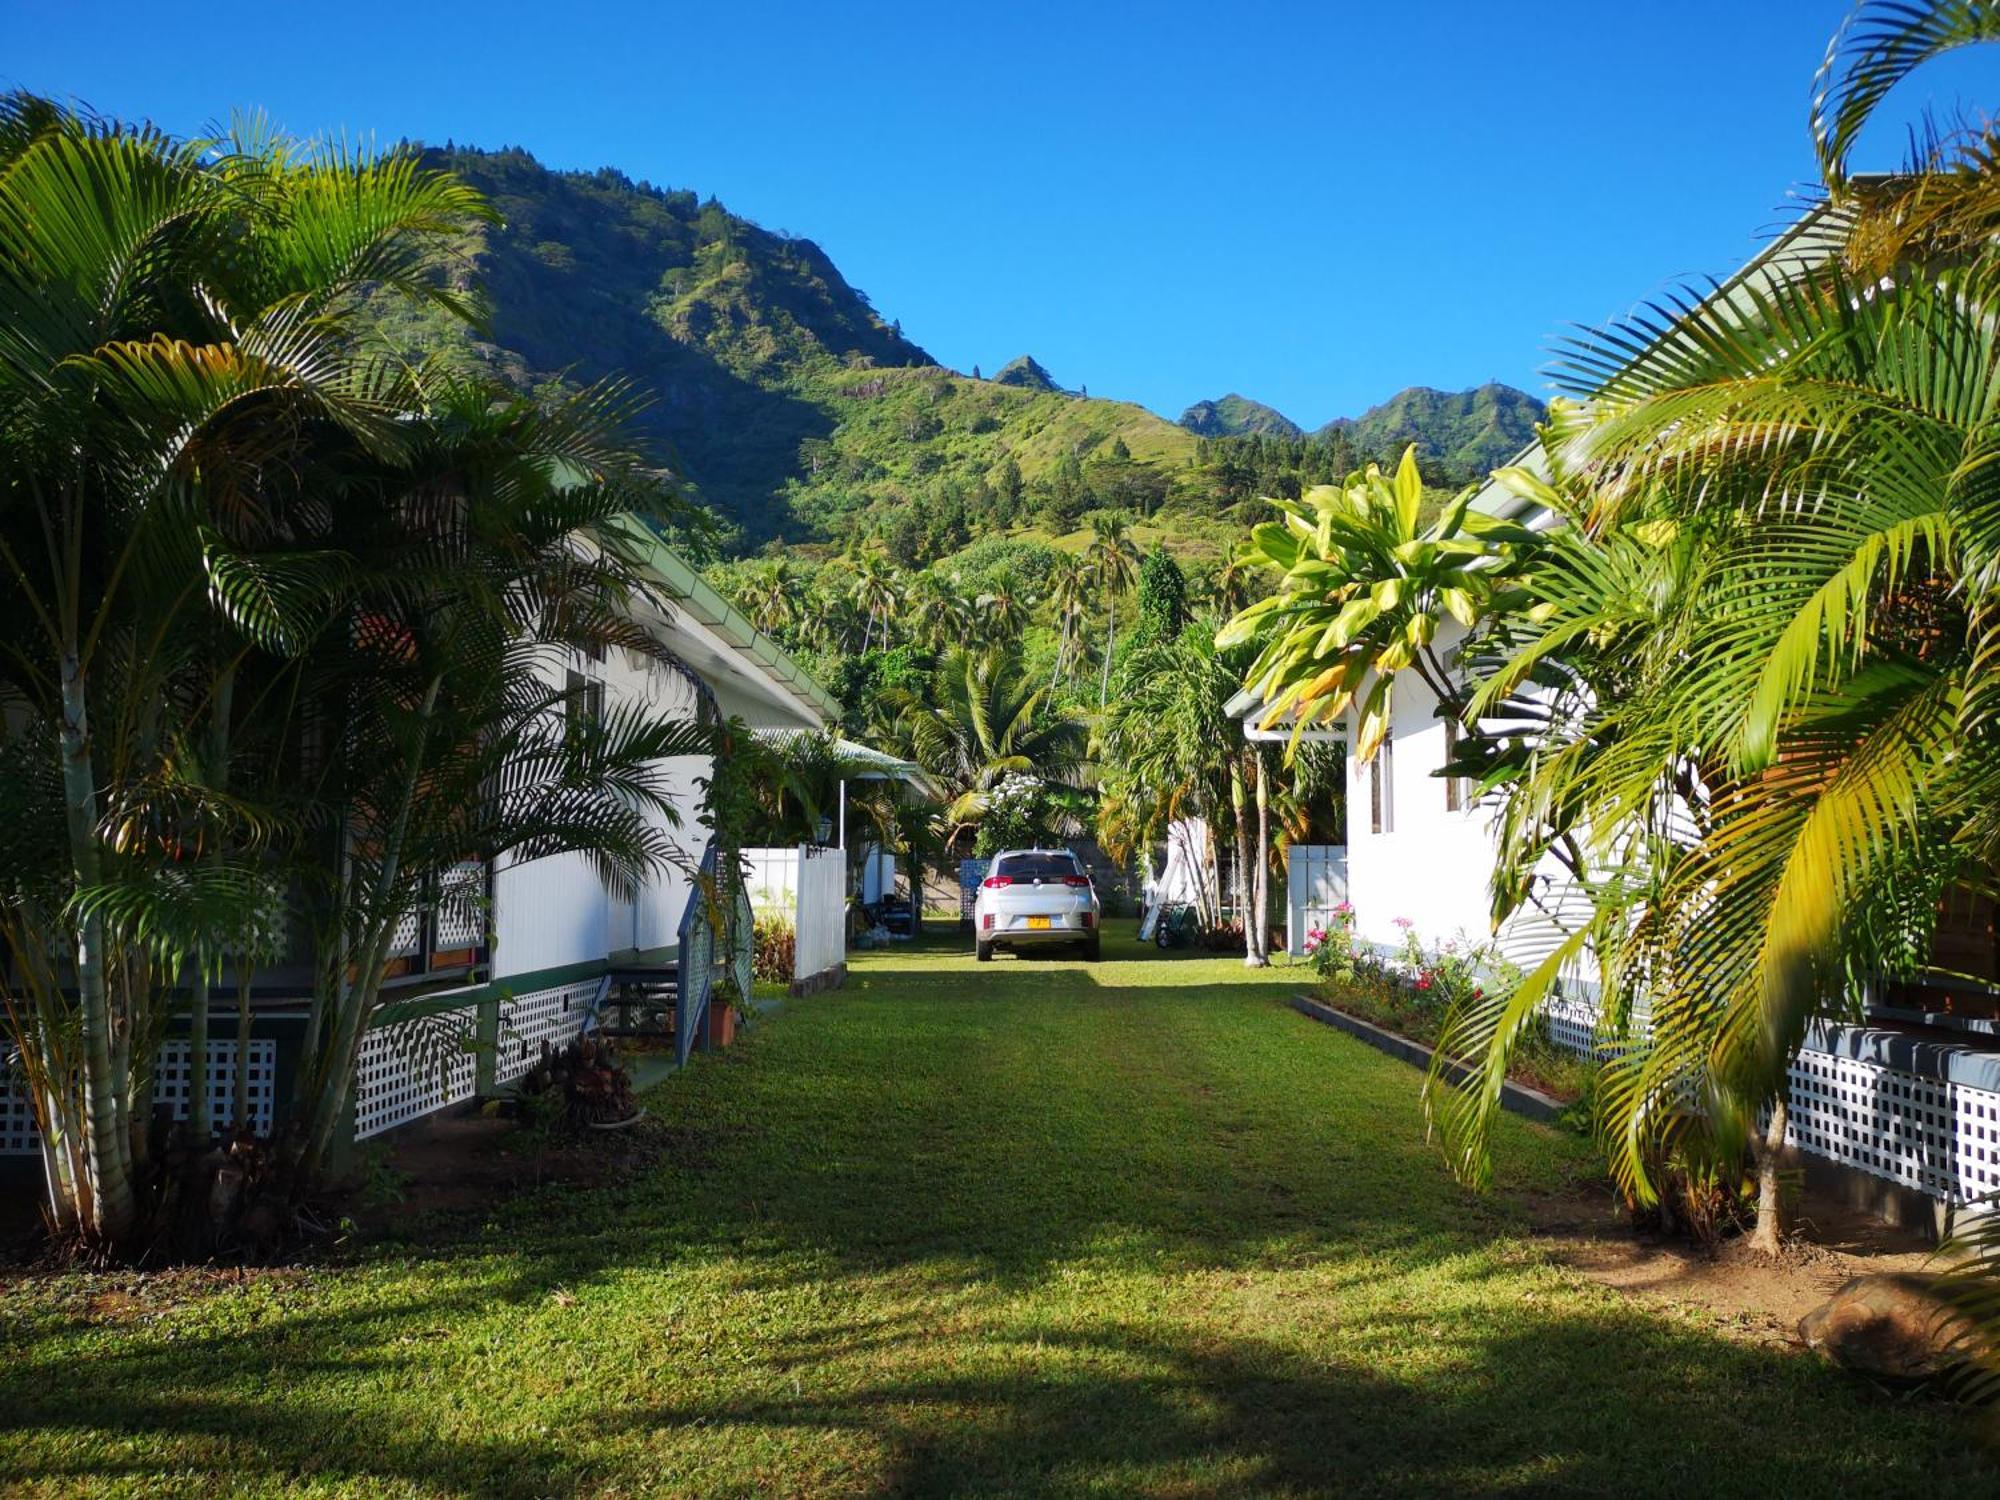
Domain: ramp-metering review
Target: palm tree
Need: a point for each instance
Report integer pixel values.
(1113, 560)
(1169, 749)
(771, 597)
(1069, 597)
(876, 591)
(936, 611)
(980, 722)
(179, 331)
(1781, 564)
(1005, 604)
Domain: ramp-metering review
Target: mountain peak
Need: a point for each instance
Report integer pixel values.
(1474, 430)
(1237, 416)
(1027, 372)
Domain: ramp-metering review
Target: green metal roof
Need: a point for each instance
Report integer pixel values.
(699, 598)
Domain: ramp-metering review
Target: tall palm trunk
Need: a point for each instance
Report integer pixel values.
(334, 1076)
(1110, 645)
(1239, 808)
(1257, 927)
(109, 1215)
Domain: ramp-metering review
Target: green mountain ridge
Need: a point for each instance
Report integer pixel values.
(796, 412)
(1472, 430)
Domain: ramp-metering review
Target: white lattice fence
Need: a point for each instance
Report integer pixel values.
(1939, 1137)
(171, 1078)
(410, 1068)
(556, 1016)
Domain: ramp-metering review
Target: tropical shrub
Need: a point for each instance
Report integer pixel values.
(774, 954)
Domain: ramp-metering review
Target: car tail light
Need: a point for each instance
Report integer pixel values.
(987, 921)
(1090, 919)
(995, 882)
(1079, 882)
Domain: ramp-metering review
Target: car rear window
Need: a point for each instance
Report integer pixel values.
(1038, 866)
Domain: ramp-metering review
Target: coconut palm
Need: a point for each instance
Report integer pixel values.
(1004, 607)
(771, 597)
(981, 721)
(877, 590)
(936, 611)
(1069, 598)
(1113, 560)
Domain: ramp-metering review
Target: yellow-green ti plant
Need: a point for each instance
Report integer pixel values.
(1364, 588)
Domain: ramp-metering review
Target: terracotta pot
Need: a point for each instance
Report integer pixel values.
(721, 1024)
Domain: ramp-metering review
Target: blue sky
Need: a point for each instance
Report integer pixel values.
(1315, 205)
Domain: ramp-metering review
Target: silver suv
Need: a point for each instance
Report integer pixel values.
(1036, 896)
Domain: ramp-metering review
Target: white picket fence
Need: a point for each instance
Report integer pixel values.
(807, 887)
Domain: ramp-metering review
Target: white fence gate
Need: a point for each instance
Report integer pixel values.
(1315, 883)
(808, 888)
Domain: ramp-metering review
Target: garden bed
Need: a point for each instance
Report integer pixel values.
(1538, 1063)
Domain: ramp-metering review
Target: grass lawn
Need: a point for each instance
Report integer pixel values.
(1029, 1228)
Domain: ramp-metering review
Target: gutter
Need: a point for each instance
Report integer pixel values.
(701, 600)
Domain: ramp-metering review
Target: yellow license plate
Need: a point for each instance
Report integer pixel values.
(1038, 924)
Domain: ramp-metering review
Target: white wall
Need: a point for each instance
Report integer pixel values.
(1435, 865)
(556, 911)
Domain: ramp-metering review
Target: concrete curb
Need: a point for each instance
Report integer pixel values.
(1517, 1098)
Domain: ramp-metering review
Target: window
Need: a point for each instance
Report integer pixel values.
(585, 702)
(1382, 788)
(1038, 866)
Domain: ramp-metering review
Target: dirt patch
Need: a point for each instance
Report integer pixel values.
(452, 1165)
(1747, 1295)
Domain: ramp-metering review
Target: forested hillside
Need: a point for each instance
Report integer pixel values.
(796, 411)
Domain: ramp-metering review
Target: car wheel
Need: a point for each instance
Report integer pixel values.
(1093, 950)
(983, 952)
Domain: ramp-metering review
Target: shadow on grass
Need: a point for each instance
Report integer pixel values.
(999, 1232)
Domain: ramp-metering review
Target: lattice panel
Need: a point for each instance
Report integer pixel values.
(555, 1016)
(414, 1067)
(1925, 1133)
(408, 937)
(171, 1074)
(461, 907)
(19, 1137)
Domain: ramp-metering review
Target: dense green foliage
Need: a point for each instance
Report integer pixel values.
(1465, 433)
(797, 412)
(1130, 1230)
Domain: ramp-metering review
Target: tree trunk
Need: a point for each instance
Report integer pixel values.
(1110, 645)
(200, 1127)
(109, 1215)
(1769, 1233)
(1257, 929)
(1240, 876)
(240, 1111)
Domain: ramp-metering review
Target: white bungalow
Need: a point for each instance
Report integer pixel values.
(549, 950)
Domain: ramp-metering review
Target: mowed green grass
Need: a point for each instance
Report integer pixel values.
(1027, 1228)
